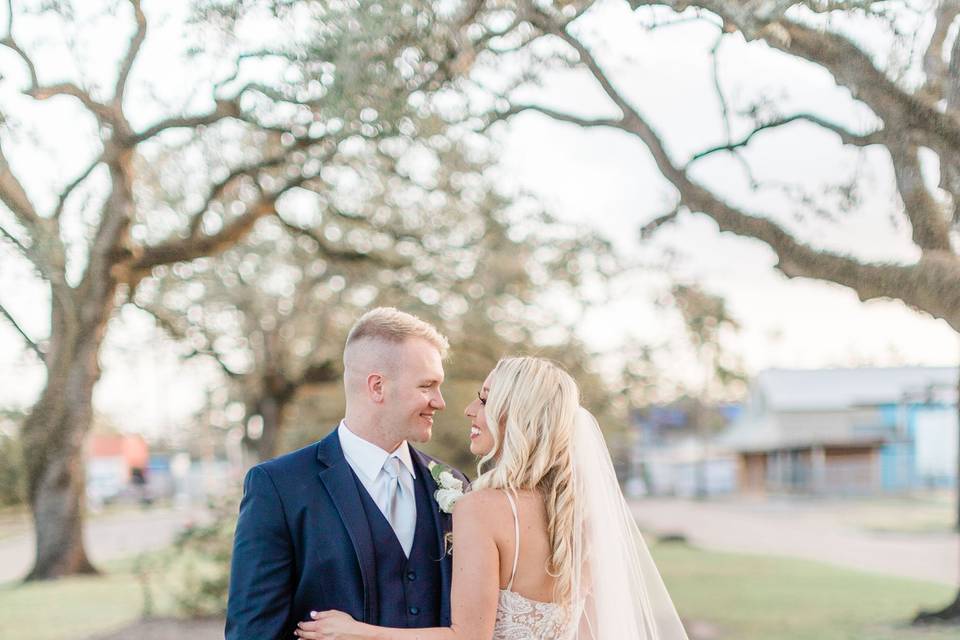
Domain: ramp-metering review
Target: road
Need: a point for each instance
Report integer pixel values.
(108, 537)
(825, 532)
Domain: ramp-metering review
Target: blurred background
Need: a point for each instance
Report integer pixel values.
(734, 222)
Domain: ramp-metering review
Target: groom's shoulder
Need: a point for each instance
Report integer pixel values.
(303, 458)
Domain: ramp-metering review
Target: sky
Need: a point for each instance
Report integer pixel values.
(601, 180)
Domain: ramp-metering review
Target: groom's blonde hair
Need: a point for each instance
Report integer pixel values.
(374, 339)
(392, 325)
(534, 402)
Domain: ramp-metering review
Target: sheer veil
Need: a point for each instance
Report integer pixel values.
(617, 588)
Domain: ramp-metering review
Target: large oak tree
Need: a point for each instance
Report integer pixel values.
(281, 111)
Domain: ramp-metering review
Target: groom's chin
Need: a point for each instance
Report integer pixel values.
(423, 435)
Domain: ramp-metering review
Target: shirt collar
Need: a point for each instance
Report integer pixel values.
(367, 458)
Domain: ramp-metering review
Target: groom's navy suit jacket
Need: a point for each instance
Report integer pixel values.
(303, 543)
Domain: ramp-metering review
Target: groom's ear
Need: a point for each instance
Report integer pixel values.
(375, 387)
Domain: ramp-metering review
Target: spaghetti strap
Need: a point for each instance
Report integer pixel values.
(516, 530)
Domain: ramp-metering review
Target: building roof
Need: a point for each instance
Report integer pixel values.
(837, 389)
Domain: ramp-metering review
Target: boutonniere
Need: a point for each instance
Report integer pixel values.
(450, 487)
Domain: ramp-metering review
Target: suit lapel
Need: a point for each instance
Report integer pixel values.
(443, 523)
(339, 482)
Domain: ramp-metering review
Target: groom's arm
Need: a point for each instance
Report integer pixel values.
(260, 573)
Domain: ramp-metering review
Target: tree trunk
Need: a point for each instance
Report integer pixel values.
(270, 409)
(53, 440)
(950, 613)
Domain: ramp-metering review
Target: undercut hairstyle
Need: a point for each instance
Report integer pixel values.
(394, 326)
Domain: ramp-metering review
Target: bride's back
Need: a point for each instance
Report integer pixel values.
(531, 579)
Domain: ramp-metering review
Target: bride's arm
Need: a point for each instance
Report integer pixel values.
(474, 594)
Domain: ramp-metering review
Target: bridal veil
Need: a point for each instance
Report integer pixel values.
(617, 588)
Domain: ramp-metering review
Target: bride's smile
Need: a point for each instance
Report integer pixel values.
(481, 440)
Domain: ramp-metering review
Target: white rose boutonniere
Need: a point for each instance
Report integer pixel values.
(450, 487)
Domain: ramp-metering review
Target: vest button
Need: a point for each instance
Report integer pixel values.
(414, 610)
(411, 576)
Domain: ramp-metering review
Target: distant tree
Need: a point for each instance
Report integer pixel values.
(427, 233)
(709, 328)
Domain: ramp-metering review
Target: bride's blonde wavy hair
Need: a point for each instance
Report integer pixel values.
(535, 403)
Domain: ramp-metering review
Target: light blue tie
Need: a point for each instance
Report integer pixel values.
(401, 504)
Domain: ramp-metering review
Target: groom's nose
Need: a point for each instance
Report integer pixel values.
(437, 401)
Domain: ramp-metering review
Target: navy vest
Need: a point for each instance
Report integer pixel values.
(408, 589)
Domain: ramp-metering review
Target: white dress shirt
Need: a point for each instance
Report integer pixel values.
(366, 459)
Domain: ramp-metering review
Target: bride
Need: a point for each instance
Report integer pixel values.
(544, 546)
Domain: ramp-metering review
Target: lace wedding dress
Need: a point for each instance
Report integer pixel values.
(520, 618)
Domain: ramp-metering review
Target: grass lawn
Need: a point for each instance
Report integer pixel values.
(70, 608)
(744, 597)
(772, 598)
(75, 608)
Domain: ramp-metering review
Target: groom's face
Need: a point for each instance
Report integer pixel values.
(413, 395)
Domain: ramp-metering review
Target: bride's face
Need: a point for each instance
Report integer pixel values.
(481, 441)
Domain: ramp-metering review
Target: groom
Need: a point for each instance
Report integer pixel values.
(350, 522)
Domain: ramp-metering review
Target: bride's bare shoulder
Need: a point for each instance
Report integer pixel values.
(483, 506)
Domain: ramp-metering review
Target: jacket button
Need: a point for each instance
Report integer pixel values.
(411, 576)
(414, 610)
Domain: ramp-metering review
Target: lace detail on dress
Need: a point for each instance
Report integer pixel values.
(520, 618)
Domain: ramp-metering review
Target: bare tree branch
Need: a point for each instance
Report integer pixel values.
(13, 240)
(849, 65)
(184, 249)
(132, 50)
(225, 108)
(911, 283)
(23, 334)
(651, 227)
(171, 327)
(62, 199)
(217, 358)
(631, 122)
(950, 160)
(15, 196)
(725, 110)
(553, 113)
(45, 92)
(277, 95)
(846, 136)
(934, 66)
(339, 253)
(217, 189)
(102, 112)
(9, 42)
(931, 229)
(49, 269)
(852, 68)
